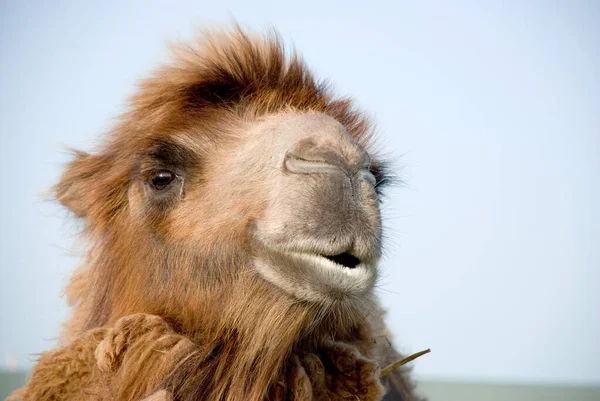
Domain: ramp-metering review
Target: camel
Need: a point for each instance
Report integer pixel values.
(234, 229)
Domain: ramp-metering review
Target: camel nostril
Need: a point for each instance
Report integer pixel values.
(299, 165)
(345, 259)
(314, 155)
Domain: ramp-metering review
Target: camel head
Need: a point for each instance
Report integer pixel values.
(232, 172)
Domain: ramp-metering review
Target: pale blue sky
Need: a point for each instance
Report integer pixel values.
(493, 246)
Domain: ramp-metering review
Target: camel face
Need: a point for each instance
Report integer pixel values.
(291, 195)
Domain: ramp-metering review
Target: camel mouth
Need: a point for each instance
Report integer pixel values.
(317, 276)
(344, 259)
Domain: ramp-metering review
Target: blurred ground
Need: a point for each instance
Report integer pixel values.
(434, 390)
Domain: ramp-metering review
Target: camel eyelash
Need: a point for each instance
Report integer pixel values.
(169, 155)
(382, 177)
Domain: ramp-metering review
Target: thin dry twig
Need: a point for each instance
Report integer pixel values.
(390, 368)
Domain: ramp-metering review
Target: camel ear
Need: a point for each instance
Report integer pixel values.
(79, 183)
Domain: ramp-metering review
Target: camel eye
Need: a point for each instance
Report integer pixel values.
(162, 179)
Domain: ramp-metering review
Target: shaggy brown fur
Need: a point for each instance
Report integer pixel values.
(166, 310)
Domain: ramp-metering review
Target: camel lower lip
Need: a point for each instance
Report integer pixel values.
(344, 259)
(326, 262)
